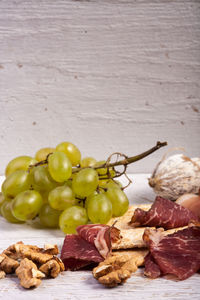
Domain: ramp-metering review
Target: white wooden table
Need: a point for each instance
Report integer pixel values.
(81, 284)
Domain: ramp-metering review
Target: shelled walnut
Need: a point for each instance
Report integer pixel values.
(118, 267)
(52, 267)
(7, 264)
(34, 253)
(30, 263)
(2, 274)
(28, 274)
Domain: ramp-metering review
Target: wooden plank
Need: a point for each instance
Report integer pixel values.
(121, 74)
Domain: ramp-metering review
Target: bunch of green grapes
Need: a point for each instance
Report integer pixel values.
(61, 189)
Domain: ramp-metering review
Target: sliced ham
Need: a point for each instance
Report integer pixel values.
(91, 245)
(163, 213)
(177, 254)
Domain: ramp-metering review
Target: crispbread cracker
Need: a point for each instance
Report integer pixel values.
(131, 237)
(135, 254)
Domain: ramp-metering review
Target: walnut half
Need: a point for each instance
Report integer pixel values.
(116, 269)
(28, 274)
(7, 264)
(52, 267)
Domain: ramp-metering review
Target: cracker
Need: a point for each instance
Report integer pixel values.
(133, 237)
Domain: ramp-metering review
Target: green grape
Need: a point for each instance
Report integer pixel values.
(2, 199)
(71, 151)
(81, 203)
(85, 182)
(103, 172)
(41, 179)
(87, 162)
(26, 205)
(113, 184)
(59, 166)
(49, 217)
(99, 209)
(7, 213)
(16, 183)
(90, 197)
(19, 163)
(103, 183)
(112, 172)
(42, 153)
(119, 184)
(118, 199)
(80, 200)
(61, 198)
(106, 183)
(69, 183)
(71, 218)
(45, 195)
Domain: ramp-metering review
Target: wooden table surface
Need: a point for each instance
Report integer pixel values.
(81, 284)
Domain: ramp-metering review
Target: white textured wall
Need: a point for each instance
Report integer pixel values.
(106, 75)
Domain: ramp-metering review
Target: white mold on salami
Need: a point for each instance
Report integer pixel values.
(175, 176)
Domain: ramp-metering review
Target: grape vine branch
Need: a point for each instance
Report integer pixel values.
(127, 160)
(108, 165)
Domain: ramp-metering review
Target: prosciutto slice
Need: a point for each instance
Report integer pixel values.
(177, 254)
(91, 245)
(163, 213)
(99, 235)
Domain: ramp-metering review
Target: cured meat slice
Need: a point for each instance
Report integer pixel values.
(163, 213)
(77, 252)
(177, 253)
(152, 270)
(92, 244)
(123, 222)
(90, 231)
(99, 235)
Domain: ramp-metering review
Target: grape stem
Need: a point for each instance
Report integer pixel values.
(40, 163)
(108, 165)
(127, 160)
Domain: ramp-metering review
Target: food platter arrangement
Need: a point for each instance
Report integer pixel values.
(102, 231)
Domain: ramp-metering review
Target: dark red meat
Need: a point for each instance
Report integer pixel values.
(89, 235)
(92, 244)
(99, 235)
(177, 253)
(152, 270)
(77, 252)
(163, 213)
